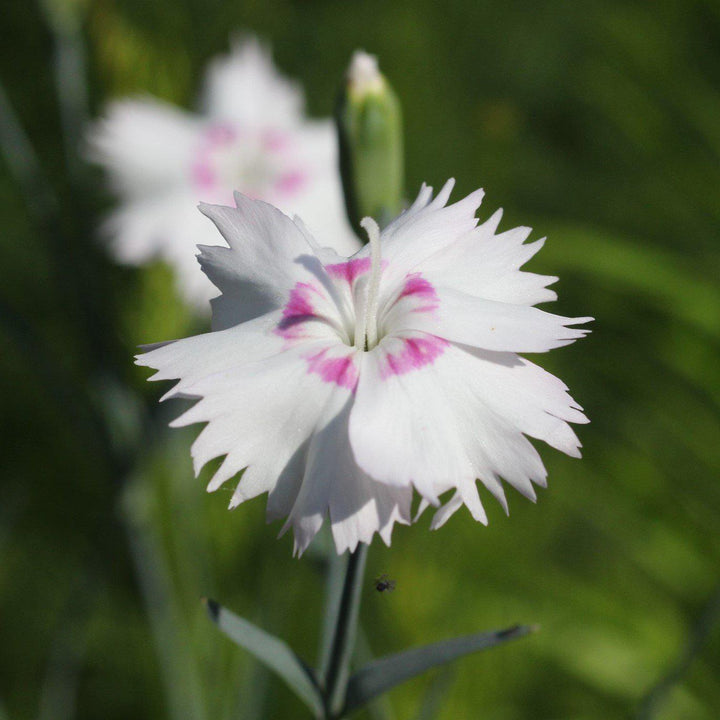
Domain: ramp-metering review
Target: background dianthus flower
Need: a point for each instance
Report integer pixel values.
(251, 135)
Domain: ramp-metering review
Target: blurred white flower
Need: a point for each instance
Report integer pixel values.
(338, 384)
(251, 135)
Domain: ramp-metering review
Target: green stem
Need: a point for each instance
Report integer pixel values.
(334, 581)
(343, 641)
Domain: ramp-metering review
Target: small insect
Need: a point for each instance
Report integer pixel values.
(384, 583)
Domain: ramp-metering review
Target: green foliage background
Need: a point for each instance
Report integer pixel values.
(598, 123)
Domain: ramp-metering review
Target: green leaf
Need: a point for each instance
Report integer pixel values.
(272, 652)
(381, 675)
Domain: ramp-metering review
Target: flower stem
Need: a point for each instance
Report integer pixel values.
(343, 641)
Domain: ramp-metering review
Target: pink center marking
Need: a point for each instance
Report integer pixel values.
(275, 140)
(215, 138)
(298, 310)
(219, 135)
(417, 352)
(339, 370)
(290, 182)
(421, 290)
(349, 270)
(279, 143)
(203, 176)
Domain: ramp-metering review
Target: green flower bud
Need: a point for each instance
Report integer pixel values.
(369, 122)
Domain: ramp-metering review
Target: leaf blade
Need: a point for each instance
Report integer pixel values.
(271, 651)
(379, 676)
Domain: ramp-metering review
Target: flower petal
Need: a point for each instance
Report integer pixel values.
(487, 324)
(358, 505)
(267, 256)
(246, 87)
(525, 396)
(486, 265)
(146, 145)
(425, 228)
(257, 414)
(194, 358)
(403, 430)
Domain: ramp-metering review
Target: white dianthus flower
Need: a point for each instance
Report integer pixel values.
(251, 135)
(338, 384)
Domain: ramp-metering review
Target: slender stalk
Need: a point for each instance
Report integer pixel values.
(334, 581)
(343, 641)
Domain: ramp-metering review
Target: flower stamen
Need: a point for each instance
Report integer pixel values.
(371, 306)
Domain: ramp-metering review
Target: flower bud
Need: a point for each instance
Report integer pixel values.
(369, 122)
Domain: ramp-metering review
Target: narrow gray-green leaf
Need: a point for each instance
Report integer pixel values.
(272, 652)
(381, 675)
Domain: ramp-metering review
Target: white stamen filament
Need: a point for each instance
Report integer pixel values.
(367, 327)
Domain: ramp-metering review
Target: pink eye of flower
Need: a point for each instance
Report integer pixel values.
(262, 162)
(309, 303)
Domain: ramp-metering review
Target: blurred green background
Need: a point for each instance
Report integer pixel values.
(598, 123)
